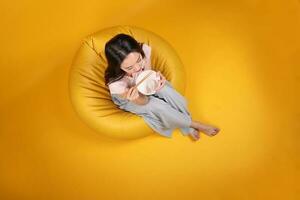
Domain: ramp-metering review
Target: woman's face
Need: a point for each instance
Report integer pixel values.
(133, 63)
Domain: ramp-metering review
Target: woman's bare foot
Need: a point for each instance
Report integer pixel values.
(195, 135)
(206, 129)
(211, 131)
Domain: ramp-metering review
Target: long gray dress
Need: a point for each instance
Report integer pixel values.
(165, 111)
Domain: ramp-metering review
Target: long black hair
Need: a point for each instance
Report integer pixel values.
(116, 50)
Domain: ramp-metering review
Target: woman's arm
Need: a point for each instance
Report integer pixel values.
(135, 97)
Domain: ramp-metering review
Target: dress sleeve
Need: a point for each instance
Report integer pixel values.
(118, 87)
(147, 51)
(119, 101)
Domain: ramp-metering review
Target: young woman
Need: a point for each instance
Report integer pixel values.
(163, 111)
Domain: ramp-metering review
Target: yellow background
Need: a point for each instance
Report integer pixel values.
(242, 63)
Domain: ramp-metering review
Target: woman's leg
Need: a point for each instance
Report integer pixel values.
(160, 116)
(173, 97)
(176, 101)
(207, 129)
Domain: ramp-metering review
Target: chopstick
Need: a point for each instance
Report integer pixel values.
(143, 79)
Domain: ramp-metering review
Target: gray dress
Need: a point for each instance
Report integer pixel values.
(165, 111)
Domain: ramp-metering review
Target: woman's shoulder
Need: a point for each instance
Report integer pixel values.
(147, 51)
(146, 48)
(146, 45)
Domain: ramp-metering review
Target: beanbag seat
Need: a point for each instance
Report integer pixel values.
(90, 96)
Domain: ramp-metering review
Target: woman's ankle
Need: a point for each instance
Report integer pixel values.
(194, 124)
(198, 125)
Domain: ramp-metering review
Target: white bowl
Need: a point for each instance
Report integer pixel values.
(147, 87)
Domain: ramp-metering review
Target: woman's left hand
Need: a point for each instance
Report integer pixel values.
(161, 81)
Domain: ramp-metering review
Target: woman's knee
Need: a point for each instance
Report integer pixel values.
(136, 108)
(156, 104)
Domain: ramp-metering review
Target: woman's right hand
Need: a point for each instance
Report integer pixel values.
(132, 94)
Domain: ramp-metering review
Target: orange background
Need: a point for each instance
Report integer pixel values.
(242, 63)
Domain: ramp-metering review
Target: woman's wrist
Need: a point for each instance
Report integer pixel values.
(141, 99)
(142, 95)
(144, 98)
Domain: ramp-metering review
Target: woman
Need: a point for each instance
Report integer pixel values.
(163, 111)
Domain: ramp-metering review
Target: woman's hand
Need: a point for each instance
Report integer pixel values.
(161, 82)
(132, 94)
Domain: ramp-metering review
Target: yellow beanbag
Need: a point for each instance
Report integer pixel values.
(91, 97)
